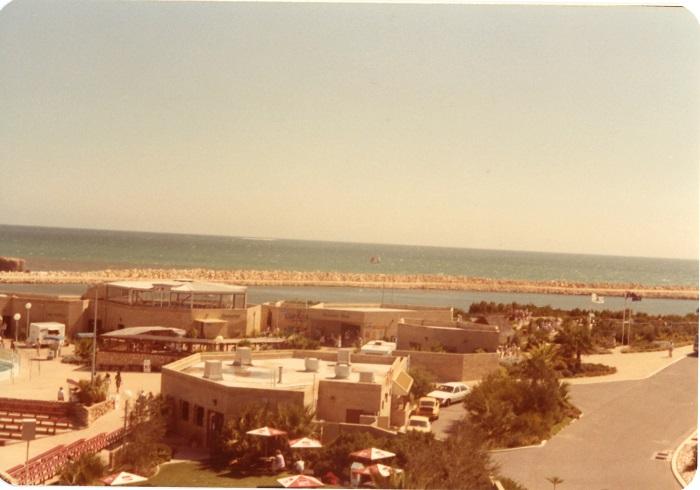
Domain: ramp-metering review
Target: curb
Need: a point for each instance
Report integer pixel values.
(509, 449)
(674, 460)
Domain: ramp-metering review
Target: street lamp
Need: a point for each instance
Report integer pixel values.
(28, 307)
(17, 317)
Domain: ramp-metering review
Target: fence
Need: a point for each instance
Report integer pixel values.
(47, 465)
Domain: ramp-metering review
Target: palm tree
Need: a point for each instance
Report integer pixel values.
(555, 480)
(575, 340)
(540, 364)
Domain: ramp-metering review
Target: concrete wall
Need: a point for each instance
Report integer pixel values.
(335, 398)
(215, 397)
(115, 315)
(72, 311)
(110, 360)
(451, 339)
(453, 367)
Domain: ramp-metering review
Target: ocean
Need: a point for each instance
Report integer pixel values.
(74, 249)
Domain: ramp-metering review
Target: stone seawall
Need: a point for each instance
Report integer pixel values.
(349, 279)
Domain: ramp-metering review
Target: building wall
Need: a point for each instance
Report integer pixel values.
(373, 325)
(453, 367)
(115, 315)
(335, 398)
(458, 340)
(72, 311)
(215, 397)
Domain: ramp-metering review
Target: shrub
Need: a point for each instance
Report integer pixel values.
(84, 471)
(301, 342)
(90, 392)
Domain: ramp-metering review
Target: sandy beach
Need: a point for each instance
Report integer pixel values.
(345, 279)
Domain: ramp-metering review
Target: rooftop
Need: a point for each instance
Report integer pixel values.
(180, 286)
(264, 372)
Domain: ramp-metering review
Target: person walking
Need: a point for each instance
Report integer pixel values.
(118, 380)
(108, 382)
(670, 349)
(61, 396)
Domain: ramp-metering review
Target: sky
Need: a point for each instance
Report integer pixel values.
(556, 129)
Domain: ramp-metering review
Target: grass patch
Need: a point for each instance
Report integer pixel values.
(196, 474)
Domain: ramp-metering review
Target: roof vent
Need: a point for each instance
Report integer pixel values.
(366, 377)
(212, 370)
(243, 357)
(311, 364)
(342, 371)
(344, 356)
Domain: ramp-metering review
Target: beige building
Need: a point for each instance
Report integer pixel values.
(208, 388)
(209, 309)
(454, 337)
(350, 322)
(72, 311)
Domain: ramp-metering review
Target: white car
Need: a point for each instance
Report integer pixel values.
(418, 423)
(449, 393)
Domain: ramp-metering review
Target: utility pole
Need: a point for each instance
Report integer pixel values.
(94, 339)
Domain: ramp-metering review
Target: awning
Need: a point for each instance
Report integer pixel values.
(401, 384)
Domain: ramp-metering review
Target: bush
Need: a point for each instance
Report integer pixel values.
(509, 484)
(144, 449)
(91, 392)
(83, 350)
(693, 463)
(86, 470)
(301, 342)
(590, 369)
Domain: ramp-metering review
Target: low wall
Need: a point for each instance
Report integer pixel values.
(453, 367)
(332, 430)
(84, 416)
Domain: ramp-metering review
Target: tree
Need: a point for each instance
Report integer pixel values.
(423, 381)
(84, 471)
(575, 340)
(144, 449)
(555, 480)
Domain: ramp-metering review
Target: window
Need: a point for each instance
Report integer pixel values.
(199, 415)
(185, 410)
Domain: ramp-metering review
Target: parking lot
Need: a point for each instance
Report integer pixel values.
(448, 415)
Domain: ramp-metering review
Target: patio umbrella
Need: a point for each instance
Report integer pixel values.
(267, 433)
(372, 454)
(305, 443)
(123, 478)
(300, 481)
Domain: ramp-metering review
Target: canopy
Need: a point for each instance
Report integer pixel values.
(131, 331)
(372, 454)
(266, 432)
(123, 478)
(305, 443)
(300, 481)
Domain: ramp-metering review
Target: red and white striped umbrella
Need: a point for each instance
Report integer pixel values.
(123, 478)
(300, 481)
(266, 432)
(372, 454)
(305, 443)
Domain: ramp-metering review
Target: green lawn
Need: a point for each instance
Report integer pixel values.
(199, 475)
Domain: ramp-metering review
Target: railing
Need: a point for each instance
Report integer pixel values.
(47, 465)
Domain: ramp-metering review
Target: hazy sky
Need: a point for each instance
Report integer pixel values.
(527, 128)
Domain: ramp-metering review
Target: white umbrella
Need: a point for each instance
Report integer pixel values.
(300, 481)
(123, 478)
(305, 443)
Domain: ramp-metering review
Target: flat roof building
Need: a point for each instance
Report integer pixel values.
(208, 388)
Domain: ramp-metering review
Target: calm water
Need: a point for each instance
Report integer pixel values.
(458, 299)
(71, 249)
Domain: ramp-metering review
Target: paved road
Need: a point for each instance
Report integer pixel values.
(612, 445)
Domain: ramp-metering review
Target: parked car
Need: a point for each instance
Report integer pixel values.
(449, 393)
(418, 423)
(428, 407)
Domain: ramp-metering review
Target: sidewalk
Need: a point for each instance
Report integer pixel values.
(639, 365)
(44, 386)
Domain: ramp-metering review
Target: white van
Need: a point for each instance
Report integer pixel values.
(40, 330)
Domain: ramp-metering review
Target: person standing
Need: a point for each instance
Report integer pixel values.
(108, 382)
(61, 396)
(670, 349)
(118, 380)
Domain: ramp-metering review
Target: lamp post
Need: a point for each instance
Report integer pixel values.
(17, 317)
(94, 341)
(28, 307)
